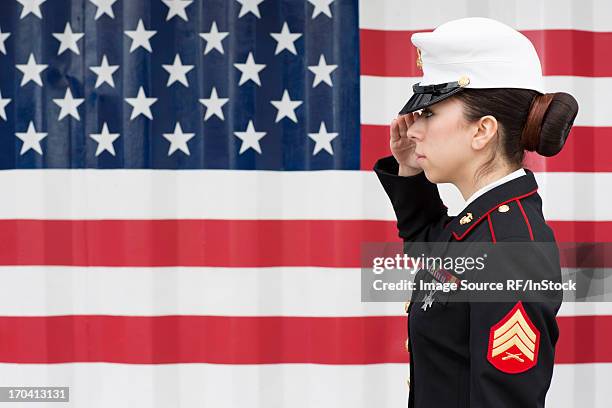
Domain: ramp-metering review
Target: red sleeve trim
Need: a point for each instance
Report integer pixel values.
(526, 219)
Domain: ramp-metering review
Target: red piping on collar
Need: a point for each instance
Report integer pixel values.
(460, 237)
(526, 219)
(491, 228)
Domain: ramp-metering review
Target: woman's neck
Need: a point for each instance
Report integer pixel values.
(468, 186)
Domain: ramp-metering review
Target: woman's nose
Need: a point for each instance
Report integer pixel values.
(416, 131)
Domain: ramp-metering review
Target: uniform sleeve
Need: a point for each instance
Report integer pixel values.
(512, 343)
(416, 201)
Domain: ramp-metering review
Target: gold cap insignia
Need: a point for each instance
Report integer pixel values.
(419, 61)
(463, 81)
(467, 218)
(503, 208)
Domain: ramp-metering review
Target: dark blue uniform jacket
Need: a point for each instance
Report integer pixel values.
(482, 354)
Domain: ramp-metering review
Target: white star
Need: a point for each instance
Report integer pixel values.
(105, 140)
(285, 40)
(3, 103)
(214, 105)
(249, 6)
(68, 40)
(104, 7)
(31, 6)
(69, 105)
(178, 71)
(31, 71)
(3, 37)
(250, 70)
(322, 72)
(250, 138)
(140, 37)
(105, 72)
(323, 140)
(213, 39)
(141, 104)
(177, 8)
(31, 140)
(286, 107)
(321, 6)
(178, 140)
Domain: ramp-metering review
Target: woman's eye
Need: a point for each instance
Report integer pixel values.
(426, 113)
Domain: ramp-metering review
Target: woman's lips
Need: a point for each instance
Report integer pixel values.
(420, 156)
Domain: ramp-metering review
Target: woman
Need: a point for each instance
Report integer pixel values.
(479, 106)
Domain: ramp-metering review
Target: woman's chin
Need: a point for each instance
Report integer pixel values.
(434, 176)
(430, 175)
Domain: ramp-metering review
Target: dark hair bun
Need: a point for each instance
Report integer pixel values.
(549, 122)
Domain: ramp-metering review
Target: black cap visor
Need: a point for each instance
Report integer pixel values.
(427, 95)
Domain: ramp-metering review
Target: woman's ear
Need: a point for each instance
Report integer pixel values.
(485, 131)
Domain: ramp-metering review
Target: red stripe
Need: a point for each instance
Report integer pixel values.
(202, 339)
(582, 231)
(374, 144)
(491, 229)
(586, 150)
(562, 52)
(230, 243)
(584, 339)
(525, 218)
(247, 340)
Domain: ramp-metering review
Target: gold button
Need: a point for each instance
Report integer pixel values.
(406, 345)
(406, 306)
(503, 208)
(467, 218)
(408, 382)
(463, 81)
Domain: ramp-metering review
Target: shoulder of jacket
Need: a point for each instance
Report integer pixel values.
(515, 221)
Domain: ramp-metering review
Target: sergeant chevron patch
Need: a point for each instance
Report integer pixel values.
(514, 342)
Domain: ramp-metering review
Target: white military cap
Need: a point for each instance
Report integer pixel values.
(472, 52)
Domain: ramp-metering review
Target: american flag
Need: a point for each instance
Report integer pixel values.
(186, 187)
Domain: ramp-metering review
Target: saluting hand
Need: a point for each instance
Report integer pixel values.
(402, 146)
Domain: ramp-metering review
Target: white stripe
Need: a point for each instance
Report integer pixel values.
(57, 290)
(576, 196)
(383, 97)
(101, 385)
(328, 292)
(585, 309)
(217, 194)
(589, 15)
(565, 196)
(218, 385)
(210, 194)
(580, 385)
